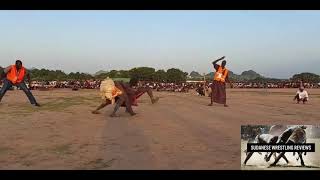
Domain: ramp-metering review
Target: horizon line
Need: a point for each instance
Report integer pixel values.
(159, 69)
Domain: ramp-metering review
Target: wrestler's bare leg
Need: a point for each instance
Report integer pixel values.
(123, 99)
(147, 90)
(102, 105)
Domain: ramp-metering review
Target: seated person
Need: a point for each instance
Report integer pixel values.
(301, 95)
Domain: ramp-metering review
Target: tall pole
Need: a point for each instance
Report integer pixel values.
(204, 79)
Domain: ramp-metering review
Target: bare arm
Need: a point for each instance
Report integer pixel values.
(228, 81)
(215, 65)
(7, 69)
(296, 96)
(119, 86)
(29, 79)
(215, 62)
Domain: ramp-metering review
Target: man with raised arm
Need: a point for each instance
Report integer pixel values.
(218, 94)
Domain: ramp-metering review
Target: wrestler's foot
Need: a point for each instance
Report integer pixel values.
(95, 112)
(273, 164)
(114, 115)
(127, 111)
(226, 105)
(155, 100)
(36, 104)
(267, 159)
(210, 104)
(132, 114)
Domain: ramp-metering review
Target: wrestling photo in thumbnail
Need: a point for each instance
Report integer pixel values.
(280, 147)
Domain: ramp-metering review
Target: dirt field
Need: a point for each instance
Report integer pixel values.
(179, 132)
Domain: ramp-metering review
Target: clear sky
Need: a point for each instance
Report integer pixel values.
(273, 43)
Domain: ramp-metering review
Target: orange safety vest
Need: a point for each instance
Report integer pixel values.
(221, 74)
(116, 92)
(14, 76)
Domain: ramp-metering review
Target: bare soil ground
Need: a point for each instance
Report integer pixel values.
(179, 132)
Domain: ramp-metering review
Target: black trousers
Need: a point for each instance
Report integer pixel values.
(8, 84)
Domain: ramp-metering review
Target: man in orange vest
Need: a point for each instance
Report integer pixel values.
(15, 75)
(218, 86)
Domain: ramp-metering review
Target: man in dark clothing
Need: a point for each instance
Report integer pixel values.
(200, 90)
(218, 93)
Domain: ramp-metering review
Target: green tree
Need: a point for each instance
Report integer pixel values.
(113, 73)
(160, 76)
(306, 77)
(102, 76)
(74, 76)
(42, 74)
(60, 75)
(176, 75)
(142, 73)
(123, 74)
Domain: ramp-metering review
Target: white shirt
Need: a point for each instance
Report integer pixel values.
(303, 94)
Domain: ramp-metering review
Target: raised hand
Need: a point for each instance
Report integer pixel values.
(214, 62)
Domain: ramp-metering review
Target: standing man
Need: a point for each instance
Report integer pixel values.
(15, 75)
(218, 94)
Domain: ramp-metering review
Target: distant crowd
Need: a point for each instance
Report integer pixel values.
(169, 87)
(87, 84)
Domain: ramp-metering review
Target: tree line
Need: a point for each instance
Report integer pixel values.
(147, 74)
(150, 74)
(142, 73)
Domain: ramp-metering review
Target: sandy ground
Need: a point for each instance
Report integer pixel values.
(179, 132)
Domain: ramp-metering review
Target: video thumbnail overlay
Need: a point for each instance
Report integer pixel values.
(280, 147)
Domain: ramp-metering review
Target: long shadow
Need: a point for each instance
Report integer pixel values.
(123, 144)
